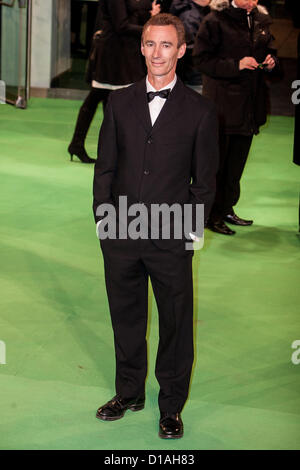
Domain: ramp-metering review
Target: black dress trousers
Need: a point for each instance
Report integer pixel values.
(234, 150)
(128, 266)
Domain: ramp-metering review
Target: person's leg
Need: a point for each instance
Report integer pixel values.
(237, 156)
(234, 150)
(216, 222)
(84, 119)
(171, 277)
(127, 290)
(218, 206)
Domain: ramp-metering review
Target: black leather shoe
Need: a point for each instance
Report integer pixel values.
(116, 407)
(235, 220)
(220, 227)
(170, 426)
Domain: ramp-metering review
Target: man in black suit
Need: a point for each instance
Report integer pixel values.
(157, 145)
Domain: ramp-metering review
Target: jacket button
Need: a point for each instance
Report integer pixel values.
(146, 172)
(149, 141)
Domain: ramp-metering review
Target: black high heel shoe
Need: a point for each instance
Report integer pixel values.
(80, 153)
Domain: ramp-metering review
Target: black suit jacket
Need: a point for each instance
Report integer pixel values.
(175, 161)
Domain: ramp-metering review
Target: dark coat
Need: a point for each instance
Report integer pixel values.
(297, 116)
(191, 14)
(175, 161)
(223, 40)
(115, 55)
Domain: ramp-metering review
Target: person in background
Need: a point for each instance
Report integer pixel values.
(233, 50)
(115, 60)
(296, 155)
(191, 13)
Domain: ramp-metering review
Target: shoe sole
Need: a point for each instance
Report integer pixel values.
(163, 436)
(222, 233)
(115, 418)
(238, 225)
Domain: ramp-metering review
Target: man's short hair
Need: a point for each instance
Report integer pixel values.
(166, 19)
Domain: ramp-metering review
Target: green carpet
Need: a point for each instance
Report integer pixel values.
(54, 316)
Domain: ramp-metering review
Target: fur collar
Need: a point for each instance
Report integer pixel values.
(220, 5)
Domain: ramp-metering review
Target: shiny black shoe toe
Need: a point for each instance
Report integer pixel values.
(170, 426)
(235, 220)
(220, 227)
(116, 407)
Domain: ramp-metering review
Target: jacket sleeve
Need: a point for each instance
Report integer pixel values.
(120, 19)
(106, 164)
(205, 163)
(206, 56)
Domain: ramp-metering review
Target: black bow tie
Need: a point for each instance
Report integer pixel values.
(162, 93)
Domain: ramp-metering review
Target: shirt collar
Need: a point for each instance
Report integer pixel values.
(169, 85)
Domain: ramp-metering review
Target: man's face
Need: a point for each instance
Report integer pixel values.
(160, 48)
(246, 4)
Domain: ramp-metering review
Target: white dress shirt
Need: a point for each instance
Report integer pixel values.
(156, 105)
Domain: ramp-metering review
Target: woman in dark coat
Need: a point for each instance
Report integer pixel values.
(115, 59)
(233, 50)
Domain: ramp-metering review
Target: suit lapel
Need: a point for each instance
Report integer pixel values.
(140, 105)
